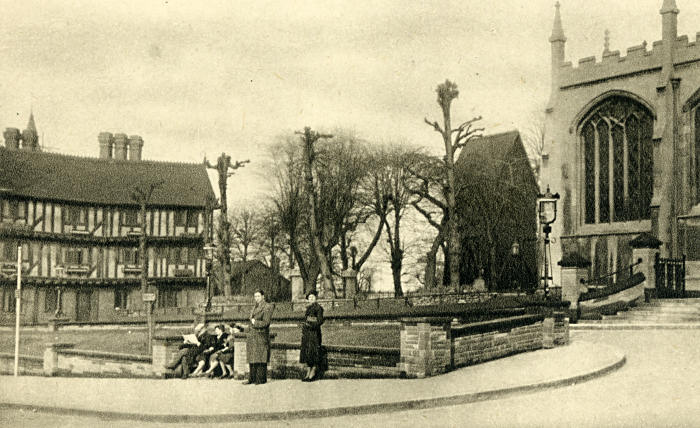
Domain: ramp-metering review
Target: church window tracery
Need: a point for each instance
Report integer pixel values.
(618, 162)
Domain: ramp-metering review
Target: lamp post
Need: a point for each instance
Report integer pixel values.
(547, 208)
(209, 249)
(60, 273)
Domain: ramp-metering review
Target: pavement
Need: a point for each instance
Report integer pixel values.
(211, 401)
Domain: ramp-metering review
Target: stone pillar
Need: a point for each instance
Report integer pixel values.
(555, 330)
(574, 269)
(165, 346)
(12, 137)
(646, 247)
(297, 284)
(51, 357)
(120, 146)
(240, 357)
(349, 283)
(425, 346)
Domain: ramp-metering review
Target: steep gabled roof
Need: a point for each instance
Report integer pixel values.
(57, 177)
(494, 152)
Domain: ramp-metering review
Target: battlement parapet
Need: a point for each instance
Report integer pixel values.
(638, 59)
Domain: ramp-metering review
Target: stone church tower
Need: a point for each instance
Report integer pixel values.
(623, 148)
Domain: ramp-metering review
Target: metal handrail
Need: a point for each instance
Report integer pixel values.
(598, 280)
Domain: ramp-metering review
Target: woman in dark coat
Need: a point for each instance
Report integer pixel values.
(258, 339)
(220, 345)
(311, 352)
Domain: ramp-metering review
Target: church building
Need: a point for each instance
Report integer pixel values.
(623, 149)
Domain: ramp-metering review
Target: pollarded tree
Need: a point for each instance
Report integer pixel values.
(454, 139)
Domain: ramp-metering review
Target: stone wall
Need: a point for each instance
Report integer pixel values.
(425, 347)
(432, 346)
(62, 360)
(477, 348)
(28, 365)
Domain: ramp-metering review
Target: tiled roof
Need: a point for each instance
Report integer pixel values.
(52, 176)
(493, 153)
(496, 146)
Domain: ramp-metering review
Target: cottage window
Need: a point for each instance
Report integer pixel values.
(192, 218)
(9, 251)
(618, 162)
(130, 217)
(167, 298)
(121, 298)
(13, 210)
(8, 300)
(75, 256)
(75, 216)
(181, 218)
(130, 256)
(51, 299)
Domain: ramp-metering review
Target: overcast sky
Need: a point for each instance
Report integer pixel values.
(196, 78)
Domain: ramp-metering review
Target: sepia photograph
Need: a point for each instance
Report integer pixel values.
(326, 213)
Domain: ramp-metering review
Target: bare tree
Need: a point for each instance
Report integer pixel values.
(309, 138)
(429, 188)
(533, 140)
(246, 232)
(446, 93)
(394, 184)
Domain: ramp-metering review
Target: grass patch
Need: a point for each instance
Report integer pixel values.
(133, 341)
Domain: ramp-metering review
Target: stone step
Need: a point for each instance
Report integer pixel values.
(652, 318)
(598, 325)
(650, 313)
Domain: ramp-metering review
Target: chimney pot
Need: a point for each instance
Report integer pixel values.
(12, 137)
(135, 147)
(121, 143)
(106, 141)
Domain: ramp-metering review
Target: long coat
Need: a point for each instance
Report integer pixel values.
(258, 336)
(311, 336)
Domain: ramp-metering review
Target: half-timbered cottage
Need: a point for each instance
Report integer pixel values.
(78, 225)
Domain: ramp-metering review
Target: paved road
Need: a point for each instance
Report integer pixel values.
(659, 386)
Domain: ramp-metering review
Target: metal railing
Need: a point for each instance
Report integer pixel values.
(610, 278)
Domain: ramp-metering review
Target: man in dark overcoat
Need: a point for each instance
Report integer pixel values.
(258, 339)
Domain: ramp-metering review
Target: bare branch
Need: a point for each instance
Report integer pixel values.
(434, 125)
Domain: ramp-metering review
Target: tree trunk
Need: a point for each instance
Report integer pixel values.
(327, 280)
(431, 262)
(452, 231)
(397, 254)
(148, 306)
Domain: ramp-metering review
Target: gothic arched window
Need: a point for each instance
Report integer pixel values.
(618, 162)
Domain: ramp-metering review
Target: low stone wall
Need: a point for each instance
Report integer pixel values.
(28, 365)
(61, 359)
(431, 346)
(471, 346)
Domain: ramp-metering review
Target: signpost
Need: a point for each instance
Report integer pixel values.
(149, 297)
(18, 307)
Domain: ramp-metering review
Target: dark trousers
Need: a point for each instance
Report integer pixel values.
(258, 373)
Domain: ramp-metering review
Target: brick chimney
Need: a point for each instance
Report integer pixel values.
(135, 147)
(106, 141)
(121, 143)
(12, 137)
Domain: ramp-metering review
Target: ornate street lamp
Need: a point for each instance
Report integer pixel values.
(209, 250)
(547, 208)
